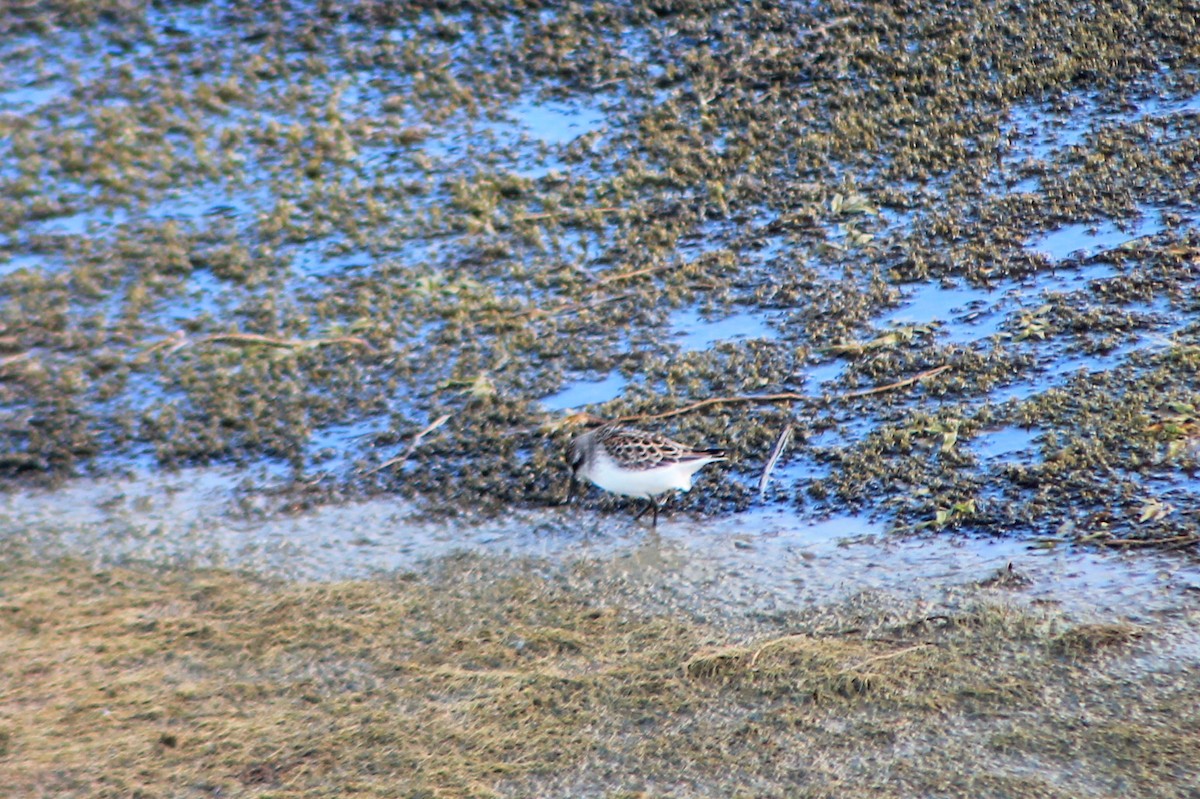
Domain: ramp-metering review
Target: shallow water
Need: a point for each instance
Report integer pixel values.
(586, 392)
(694, 332)
(767, 559)
(1006, 444)
(1089, 238)
(962, 314)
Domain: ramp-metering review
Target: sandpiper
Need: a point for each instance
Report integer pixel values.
(635, 463)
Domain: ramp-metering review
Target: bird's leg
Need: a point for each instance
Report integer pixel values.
(651, 505)
(570, 490)
(645, 510)
(662, 507)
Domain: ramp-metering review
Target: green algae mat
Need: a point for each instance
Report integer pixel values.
(302, 239)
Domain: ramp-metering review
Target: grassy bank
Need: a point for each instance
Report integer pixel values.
(488, 678)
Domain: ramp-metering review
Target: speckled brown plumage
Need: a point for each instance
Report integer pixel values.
(636, 463)
(639, 449)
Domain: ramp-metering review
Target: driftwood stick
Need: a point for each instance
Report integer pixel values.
(781, 442)
(786, 396)
(564, 212)
(1178, 541)
(178, 340)
(908, 381)
(412, 446)
(695, 406)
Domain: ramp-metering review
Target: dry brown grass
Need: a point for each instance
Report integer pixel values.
(489, 679)
(1088, 639)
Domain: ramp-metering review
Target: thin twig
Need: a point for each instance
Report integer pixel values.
(554, 425)
(1179, 540)
(246, 338)
(785, 396)
(695, 406)
(908, 381)
(9, 360)
(564, 212)
(1183, 544)
(178, 340)
(170, 343)
(650, 270)
(1125, 246)
(285, 343)
(822, 30)
(889, 655)
(781, 442)
(540, 313)
(412, 446)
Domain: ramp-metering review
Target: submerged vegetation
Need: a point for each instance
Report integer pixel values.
(486, 680)
(298, 236)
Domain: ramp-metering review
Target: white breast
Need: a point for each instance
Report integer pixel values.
(644, 483)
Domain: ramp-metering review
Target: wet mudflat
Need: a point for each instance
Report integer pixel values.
(161, 635)
(298, 306)
(294, 239)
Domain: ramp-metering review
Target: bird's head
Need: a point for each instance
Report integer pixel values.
(575, 456)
